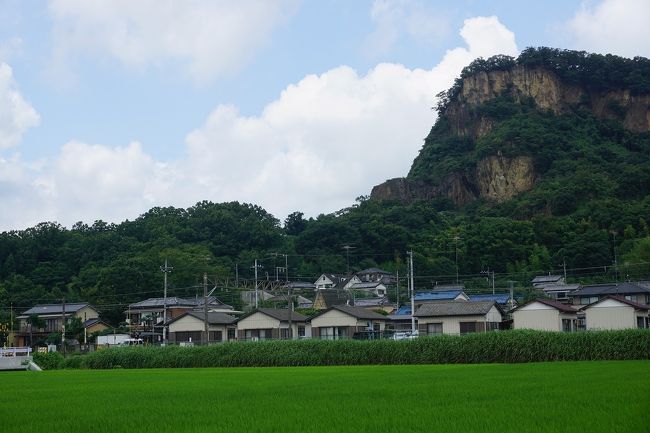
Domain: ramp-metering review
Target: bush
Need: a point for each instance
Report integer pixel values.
(49, 361)
(502, 347)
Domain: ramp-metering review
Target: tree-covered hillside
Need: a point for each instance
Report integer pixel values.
(587, 213)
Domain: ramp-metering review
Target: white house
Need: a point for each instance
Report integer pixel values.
(190, 327)
(342, 322)
(545, 315)
(272, 323)
(616, 313)
(458, 317)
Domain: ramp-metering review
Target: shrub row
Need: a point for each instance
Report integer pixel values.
(494, 347)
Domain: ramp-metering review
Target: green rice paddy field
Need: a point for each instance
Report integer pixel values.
(609, 396)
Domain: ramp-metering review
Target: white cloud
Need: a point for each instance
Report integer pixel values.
(210, 38)
(612, 26)
(395, 19)
(324, 141)
(16, 114)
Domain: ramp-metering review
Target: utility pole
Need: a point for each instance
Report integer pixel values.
(564, 267)
(63, 327)
(347, 249)
(512, 294)
(290, 333)
(165, 270)
(205, 306)
(615, 259)
(412, 286)
(456, 239)
(256, 266)
(237, 275)
(397, 289)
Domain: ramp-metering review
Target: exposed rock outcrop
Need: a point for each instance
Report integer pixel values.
(495, 178)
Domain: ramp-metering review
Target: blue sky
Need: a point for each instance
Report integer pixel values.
(108, 108)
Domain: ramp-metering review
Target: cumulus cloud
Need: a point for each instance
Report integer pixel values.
(395, 19)
(16, 114)
(612, 26)
(211, 38)
(324, 141)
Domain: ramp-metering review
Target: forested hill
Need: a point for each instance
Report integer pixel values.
(535, 164)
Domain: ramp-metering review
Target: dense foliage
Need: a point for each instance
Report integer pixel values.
(501, 347)
(587, 214)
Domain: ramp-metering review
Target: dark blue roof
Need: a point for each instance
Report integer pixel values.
(437, 296)
(499, 298)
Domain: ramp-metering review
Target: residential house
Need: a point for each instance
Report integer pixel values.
(344, 322)
(374, 288)
(299, 287)
(421, 298)
(145, 318)
(635, 292)
(448, 287)
(375, 303)
(326, 298)
(189, 327)
(615, 312)
(52, 316)
(331, 281)
(546, 315)
(561, 292)
(376, 275)
(272, 323)
(248, 297)
(542, 281)
(458, 317)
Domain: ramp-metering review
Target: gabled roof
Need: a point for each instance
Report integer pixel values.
(92, 322)
(372, 302)
(437, 295)
(555, 304)
(369, 285)
(611, 289)
(300, 285)
(46, 309)
(546, 279)
(499, 298)
(358, 312)
(561, 288)
(175, 302)
(285, 298)
(333, 297)
(281, 314)
(213, 318)
(457, 308)
(635, 305)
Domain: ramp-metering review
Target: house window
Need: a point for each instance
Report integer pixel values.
(285, 334)
(231, 334)
(467, 327)
(301, 331)
(434, 328)
(641, 322)
(588, 300)
(567, 325)
(52, 325)
(376, 326)
(561, 295)
(326, 333)
(492, 326)
(216, 335)
(194, 336)
(581, 324)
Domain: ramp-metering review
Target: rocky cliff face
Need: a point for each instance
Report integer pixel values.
(495, 178)
(549, 93)
(498, 178)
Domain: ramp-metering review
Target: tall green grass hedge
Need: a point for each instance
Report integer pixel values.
(493, 347)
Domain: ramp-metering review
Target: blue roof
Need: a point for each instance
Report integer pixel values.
(403, 311)
(499, 298)
(437, 296)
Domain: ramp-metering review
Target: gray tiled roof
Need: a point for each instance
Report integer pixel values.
(456, 308)
(611, 289)
(359, 313)
(282, 314)
(45, 309)
(175, 302)
(213, 318)
(546, 278)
